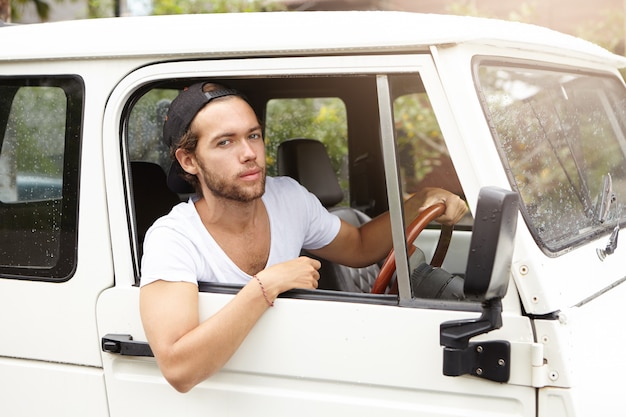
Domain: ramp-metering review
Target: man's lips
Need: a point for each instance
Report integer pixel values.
(251, 174)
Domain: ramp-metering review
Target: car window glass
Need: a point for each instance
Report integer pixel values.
(145, 127)
(423, 157)
(38, 176)
(562, 139)
(323, 119)
(424, 161)
(32, 167)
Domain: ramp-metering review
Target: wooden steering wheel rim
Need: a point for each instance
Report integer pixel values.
(413, 231)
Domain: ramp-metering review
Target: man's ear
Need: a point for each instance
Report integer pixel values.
(187, 161)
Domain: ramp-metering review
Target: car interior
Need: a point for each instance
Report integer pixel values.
(321, 131)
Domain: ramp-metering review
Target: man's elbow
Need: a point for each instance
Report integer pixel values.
(181, 382)
(180, 385)
(183, 379)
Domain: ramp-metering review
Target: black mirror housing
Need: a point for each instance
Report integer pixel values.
(491, 246)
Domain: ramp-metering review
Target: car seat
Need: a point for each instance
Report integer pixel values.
(151, 196)
(307, 161)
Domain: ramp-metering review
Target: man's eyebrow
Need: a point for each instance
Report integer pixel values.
(227, 134)
(257, 127)
(254, 129)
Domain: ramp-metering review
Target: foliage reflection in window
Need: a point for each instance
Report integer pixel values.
(323, 119)
(561, 134)
(422, 153)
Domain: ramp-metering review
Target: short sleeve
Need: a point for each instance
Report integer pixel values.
(168, 256)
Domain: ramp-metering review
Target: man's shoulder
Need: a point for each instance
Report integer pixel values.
(284, 191)
(281, 181)
(182, 213)
(282, 184)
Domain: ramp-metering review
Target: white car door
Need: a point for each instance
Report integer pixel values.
(54, 261)
(315, 352)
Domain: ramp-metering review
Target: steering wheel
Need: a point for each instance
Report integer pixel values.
(413, 231)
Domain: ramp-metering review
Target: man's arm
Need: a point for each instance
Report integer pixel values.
(368, 244)
(189, 351)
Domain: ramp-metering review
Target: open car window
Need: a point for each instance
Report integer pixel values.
(341, 113)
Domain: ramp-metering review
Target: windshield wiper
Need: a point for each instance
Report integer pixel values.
(611, 246)
(605, 199)
(582, 191)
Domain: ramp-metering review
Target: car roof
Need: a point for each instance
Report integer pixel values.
(280, 33)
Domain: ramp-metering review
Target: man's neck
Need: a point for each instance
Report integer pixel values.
(242, 230)
(229, 215)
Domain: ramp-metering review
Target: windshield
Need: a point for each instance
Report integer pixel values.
(561, 138)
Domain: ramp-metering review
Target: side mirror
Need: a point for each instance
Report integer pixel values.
(486, 280)
(491, 247)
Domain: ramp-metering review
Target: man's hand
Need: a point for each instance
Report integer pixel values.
(297, 273)
(360, 247)
(418, 202)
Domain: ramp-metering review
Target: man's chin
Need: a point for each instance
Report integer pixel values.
(242, 194)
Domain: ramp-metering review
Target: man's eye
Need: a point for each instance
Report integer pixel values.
(256, 136)
(224, 142)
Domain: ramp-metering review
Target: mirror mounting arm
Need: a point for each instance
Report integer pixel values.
(487, 359)
(457, 333)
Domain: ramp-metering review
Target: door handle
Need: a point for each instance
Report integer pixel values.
(123, 344)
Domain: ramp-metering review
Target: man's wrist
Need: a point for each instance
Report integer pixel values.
(264, 291)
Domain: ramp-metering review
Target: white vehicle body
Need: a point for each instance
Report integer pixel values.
(315, 352)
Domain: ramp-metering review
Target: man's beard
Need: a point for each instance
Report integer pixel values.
(232, 190)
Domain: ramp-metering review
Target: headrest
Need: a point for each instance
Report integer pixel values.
(306, 161)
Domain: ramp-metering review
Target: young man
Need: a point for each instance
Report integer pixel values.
(241, 227)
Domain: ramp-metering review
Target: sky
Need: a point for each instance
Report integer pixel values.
(138, 7)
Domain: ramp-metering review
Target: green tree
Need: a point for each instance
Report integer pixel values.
(104, 8)
(17, 6)
(524, 13)
(100, 8)
(5, 10)
(161, 7)
(420, 142)
(320, 118)
(607, 32)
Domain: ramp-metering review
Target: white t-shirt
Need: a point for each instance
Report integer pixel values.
(179, 248)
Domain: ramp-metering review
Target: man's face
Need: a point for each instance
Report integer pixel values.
(230, 155)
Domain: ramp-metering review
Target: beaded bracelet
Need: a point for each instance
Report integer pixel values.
(270, 303)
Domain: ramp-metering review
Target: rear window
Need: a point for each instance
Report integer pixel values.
(40, 126)
(320, 118)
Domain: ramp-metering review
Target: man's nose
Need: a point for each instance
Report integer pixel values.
(248, 152)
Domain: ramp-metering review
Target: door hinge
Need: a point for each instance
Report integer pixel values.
(488, 359)
(540, 373)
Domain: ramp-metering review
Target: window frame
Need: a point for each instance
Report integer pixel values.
(74, 88)
(285, 69)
